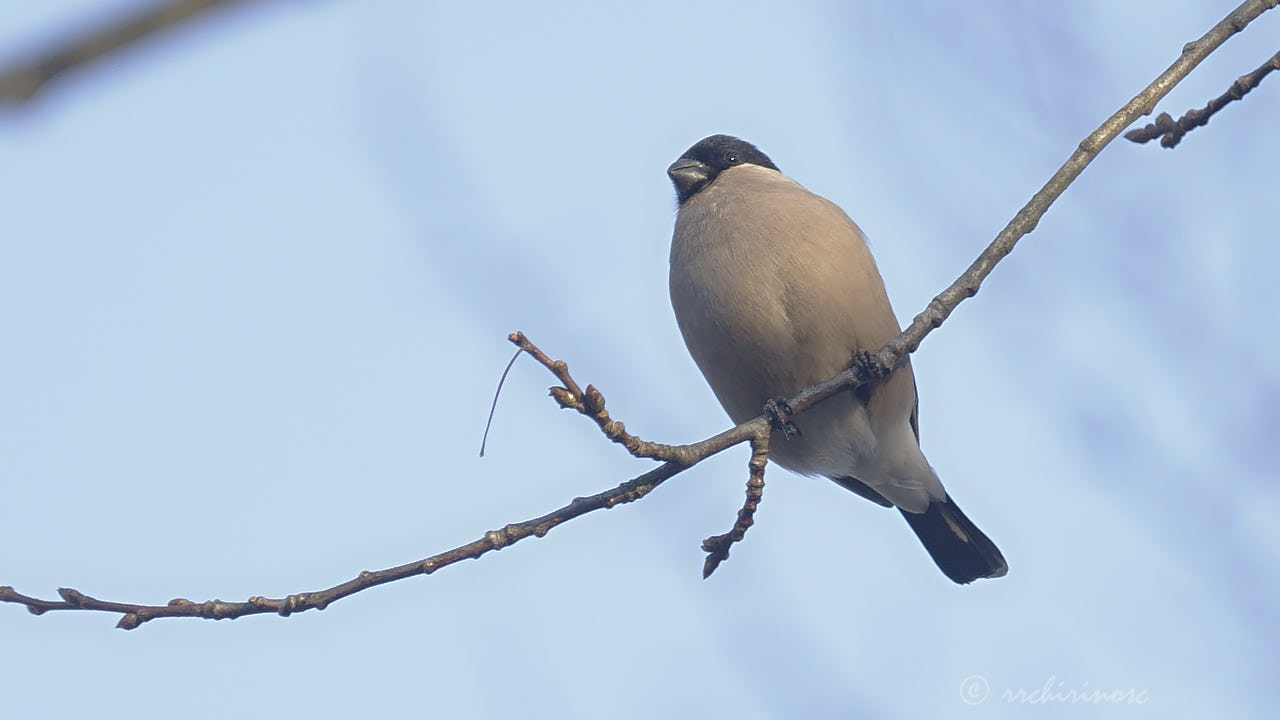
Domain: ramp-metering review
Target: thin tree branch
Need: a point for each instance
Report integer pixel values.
(23, 81)
(1170, 131)
(717, 546)
(590, 403)
(679, 457)
(134, 615)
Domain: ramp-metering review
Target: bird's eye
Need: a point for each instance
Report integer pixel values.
(731, 157)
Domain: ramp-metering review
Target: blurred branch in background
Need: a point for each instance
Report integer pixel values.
(1171, 132)
(26, 78)
(676, 458)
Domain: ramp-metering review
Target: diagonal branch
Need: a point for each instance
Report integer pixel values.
(679, 457)
(134, 615)
(1026, 219)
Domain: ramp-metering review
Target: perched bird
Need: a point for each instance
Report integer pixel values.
(775, 289)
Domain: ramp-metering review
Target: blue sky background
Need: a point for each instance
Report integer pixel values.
(256, 279)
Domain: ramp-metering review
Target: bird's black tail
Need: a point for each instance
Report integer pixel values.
(959, 548)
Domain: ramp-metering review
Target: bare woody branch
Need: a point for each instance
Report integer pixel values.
(677, 458)
(717, 546)
(27, 78)
(1170, 131)
(133, 615)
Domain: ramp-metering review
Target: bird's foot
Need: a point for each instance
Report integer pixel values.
(779, 414)
(867, 367)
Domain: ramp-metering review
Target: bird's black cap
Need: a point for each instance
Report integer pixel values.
(700, 164)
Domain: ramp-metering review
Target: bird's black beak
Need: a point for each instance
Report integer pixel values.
(689, 176)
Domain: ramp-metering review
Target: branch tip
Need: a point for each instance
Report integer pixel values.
(593, 399)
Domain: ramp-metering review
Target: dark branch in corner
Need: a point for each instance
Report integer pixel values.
(1170, 131)
(676, 458)
(26, 79)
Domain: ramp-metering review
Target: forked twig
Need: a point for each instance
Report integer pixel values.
(1170, 131)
